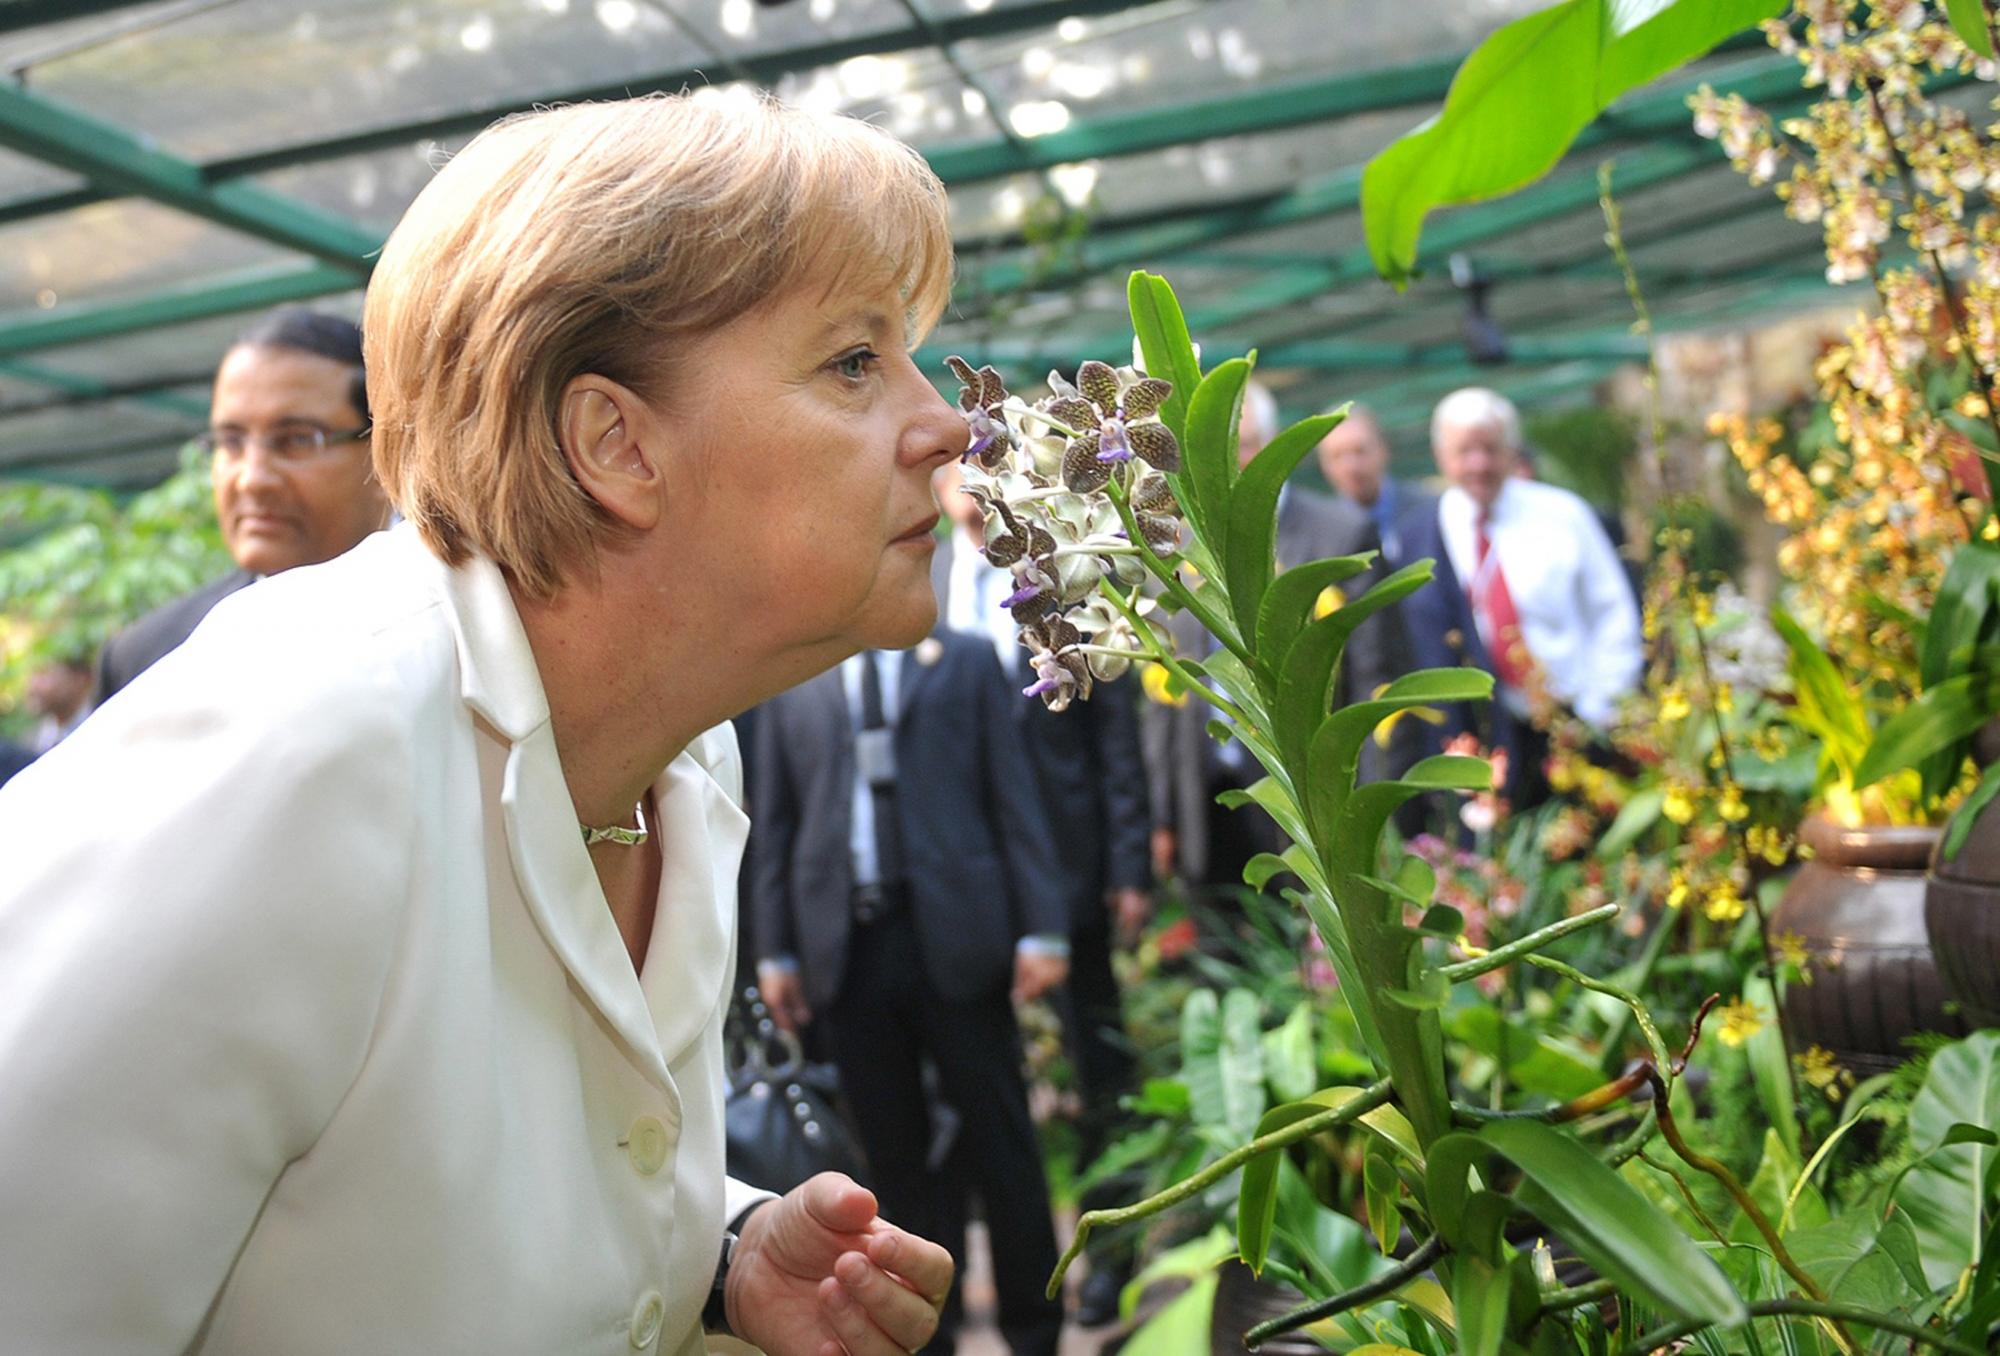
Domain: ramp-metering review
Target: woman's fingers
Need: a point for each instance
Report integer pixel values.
(907, 1318)
(858, 1326)
(922, 1265)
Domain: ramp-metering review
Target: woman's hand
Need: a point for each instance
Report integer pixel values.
(818, 1272)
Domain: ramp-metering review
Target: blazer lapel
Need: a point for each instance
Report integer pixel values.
(499, 682)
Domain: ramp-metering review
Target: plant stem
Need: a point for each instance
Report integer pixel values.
(1649, 961)
(1664, 1337)
(1368, 1292)
(1370, 1097)
(1576, 1296)
(1630, 1000)
(1163, 655)
(1502, 955)
(1744, 1201)
(1169, 576)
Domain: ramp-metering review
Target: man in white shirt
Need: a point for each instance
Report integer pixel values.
(1543, 589)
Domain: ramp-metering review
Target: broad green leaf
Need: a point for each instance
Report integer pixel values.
(1521, 98)
(1181, 1326)
(1306, 672)
(1827, 706)
(1290, 1063)
(1968, 813)
(1969, 21)
(1610, 1225)
(1936, 720)
(1863, 1259)
(1289, 602)
(1191, 1260)
(1479, 1294)
(1964, 600)
(1257, 1193)
(1253, 514)
(1431, 993)
(1947, 1192)
(1535, 1061)
(1267, 792)
(1336, 746)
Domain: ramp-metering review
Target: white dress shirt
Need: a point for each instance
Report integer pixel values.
(317, 1035)
(1578, 618)
(861, 826)
(974, 593)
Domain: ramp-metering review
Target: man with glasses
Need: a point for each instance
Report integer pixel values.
(288, 443)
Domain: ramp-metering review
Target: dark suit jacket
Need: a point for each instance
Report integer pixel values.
(979, 849)
(1181, 760)
(148, 640)
(1093, 780)
(1445, 634)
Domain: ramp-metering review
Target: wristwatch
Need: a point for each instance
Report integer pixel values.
(715, 1313)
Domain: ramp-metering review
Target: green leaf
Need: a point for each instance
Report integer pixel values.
(1827, 706)
(1479, 1295)
(1967, 814)
(1306, 671)
(1936, 720)
(1208, 457)
(1945, 1192)
(1290, 1062)
(1863, 1259)
(1770, 1068)
(1635, 816)
(1181, 1325)
(1964, 600)
(1380, 1189)
(1446, 1188)
(1433, 991)
(1968, 20)
(1611, 1226)
(1336, 746)
(1257, 1193)
(1535, 1060)
(1289, 602)
(1521, 98)
(1163, 338)
(1253, 514)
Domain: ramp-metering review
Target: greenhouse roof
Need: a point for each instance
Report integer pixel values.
(168, 168)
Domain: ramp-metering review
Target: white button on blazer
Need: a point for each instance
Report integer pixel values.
(316, 1033)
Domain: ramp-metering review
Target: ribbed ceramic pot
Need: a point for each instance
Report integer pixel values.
(1858, 905)
(1962, 910)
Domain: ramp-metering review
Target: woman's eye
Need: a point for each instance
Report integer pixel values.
(854, 366)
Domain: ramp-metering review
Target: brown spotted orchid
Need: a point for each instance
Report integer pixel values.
(1043, 476)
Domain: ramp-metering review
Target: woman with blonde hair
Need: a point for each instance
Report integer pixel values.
(363, 965)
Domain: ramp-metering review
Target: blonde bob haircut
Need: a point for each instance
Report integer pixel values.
(600, 238)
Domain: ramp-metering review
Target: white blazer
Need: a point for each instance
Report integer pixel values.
(316, 1033)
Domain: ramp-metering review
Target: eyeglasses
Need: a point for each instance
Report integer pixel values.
(287, 446)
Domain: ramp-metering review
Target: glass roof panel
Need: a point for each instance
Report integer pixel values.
(170, 352)
(116, 249)
(57, 433)
(22, 178)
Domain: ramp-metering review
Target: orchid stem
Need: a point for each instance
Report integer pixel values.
(1159, 654)
(1370, 1097)
(1499, 956)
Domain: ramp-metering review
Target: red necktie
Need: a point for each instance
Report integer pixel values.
(1495, 606)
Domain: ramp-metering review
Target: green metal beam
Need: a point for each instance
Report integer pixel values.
(1330, 355)
(120, 162)
(766, 68)
(20, 14)
(84, 321)
(91, 389)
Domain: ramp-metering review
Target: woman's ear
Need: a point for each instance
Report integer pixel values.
(599, 424)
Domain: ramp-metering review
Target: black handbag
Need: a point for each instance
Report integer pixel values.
(781, 1124)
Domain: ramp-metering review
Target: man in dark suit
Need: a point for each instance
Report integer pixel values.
(288, 442)
(904, 881)
(1354, 458)
(1206, 844)
(1093, 779)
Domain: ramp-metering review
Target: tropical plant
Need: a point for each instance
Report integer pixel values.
(1085, 491)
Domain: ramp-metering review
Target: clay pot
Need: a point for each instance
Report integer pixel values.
(1859, 906)
(1962, 910)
